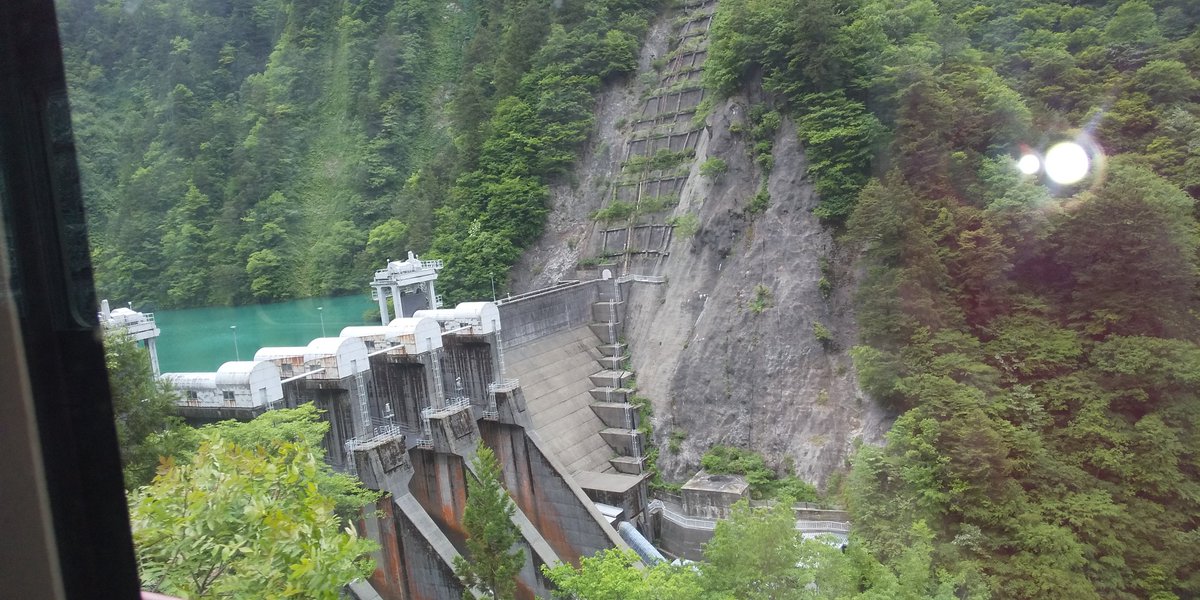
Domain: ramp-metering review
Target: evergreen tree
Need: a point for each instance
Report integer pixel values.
(143, 406)
(492, 562)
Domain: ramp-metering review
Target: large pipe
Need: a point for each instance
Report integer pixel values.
(644, 549)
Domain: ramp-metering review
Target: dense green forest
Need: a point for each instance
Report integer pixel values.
(240, 151)
(1038, 341)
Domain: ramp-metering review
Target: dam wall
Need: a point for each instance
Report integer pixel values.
(539, 314)
(549, 346)
(557, 506)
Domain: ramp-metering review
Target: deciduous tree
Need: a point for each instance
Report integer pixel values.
(238, 522)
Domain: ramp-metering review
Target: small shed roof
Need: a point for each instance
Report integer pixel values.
(242, 373)
(192, 381)
(481, 317)
(280, 352)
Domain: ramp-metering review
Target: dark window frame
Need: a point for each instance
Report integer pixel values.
(53, 297)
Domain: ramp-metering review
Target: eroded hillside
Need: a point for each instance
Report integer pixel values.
(732, 348)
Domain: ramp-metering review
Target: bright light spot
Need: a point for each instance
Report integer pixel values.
(1067, 163)
(1029, 164)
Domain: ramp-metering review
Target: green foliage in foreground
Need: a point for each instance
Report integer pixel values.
(301, 425)
(245, 523)
(491, 564)
(1037, 413)
(611, 575)
(757, 554)
(143, 409)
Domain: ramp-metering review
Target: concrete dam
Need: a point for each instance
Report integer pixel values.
(537, 377)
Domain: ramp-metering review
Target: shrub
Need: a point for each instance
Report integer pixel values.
(713, 168)
(825, 287)
(762, 299)
(686, 225)
(823, 335)
(759, 202)
(766, 125)
(653, 204)
(615, 211)
(765, 160)
(660, 160)
(676, 440)
(764, 483)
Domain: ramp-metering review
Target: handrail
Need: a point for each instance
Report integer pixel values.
(802, 525)
(642, 278)
(503, 386)
(561, 285)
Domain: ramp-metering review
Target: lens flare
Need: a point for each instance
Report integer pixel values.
(1029, 164)
(1067, 163)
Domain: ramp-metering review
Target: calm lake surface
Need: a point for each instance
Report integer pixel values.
(200, 339)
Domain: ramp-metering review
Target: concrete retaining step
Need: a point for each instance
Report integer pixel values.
(611, 362)
(616, 414)
(628, 464)
(606, 312)
(611, 378)
(611, 394)
(607, 334)
(626, 442)
(612, 349)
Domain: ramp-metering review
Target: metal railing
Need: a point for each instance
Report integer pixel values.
(642, 278)
(453, 405)
(385, 274)
(822, 526)
(380, 430)
(492, 412)
(803, 526)
(506, 385)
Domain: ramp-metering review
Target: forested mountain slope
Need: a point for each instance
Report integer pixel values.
(1037, 341)
(241, 151)
(1039, 338)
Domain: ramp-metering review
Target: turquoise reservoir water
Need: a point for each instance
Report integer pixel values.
(200, 339)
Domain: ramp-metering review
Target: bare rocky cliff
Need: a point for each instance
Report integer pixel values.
(725, 348)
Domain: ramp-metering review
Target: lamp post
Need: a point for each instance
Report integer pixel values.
(321, 313)
(236, 353)
(493, 279)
